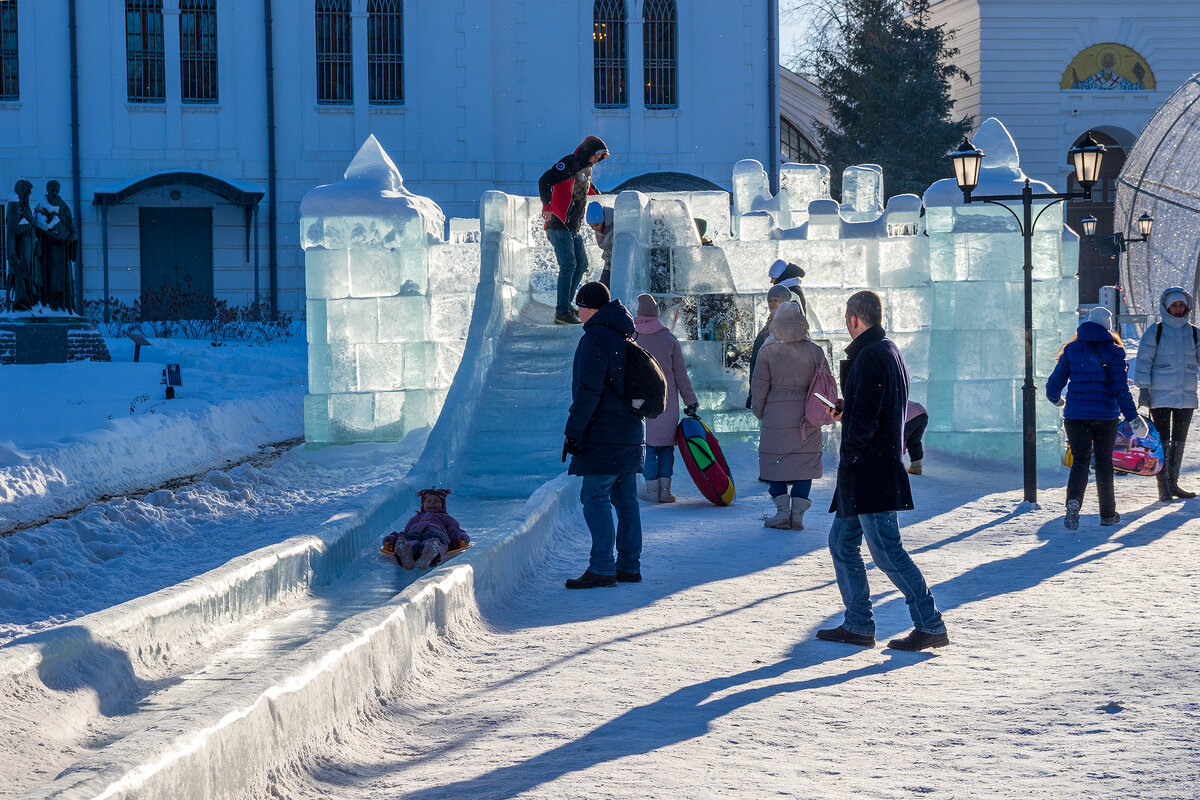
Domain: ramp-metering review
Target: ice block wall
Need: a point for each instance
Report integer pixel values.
(977, 352)
(375, 369)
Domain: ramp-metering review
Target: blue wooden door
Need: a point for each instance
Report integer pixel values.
(176, 260)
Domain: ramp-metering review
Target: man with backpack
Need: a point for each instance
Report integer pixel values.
(606, 439)
(872, 486)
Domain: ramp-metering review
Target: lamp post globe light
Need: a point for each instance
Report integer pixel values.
(1086, 158)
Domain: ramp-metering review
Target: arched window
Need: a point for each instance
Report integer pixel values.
(335, 79)
(608, 47)
(385, 52)
(198, 51)
(10, 88)
(658, 53)
(144, 51)
(794, 146)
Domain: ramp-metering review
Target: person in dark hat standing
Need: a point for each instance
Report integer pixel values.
(785, 273)
(606, 441)
(564, 189)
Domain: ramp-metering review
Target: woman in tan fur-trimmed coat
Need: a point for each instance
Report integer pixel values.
(789, 449)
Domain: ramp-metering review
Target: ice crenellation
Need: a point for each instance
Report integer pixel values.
(389, 318)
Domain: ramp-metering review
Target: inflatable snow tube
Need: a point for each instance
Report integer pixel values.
(705, 461)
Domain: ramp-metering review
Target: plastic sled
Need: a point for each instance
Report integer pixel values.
(705, 462)
(1131, 454)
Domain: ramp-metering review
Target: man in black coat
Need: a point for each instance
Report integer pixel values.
(872, 485)
(606, 441)
(564, 190)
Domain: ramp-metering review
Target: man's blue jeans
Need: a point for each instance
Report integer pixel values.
(572, 264)
(600, 495)
(882, 533)
(660, 462)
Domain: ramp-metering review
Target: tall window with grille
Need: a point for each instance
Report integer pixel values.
(198, 51)
(335, 80)
(658, 54)
(385, 52)
(608, 47)
(10, 88)
(144, 57)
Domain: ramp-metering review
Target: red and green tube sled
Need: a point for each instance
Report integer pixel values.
(705, 462)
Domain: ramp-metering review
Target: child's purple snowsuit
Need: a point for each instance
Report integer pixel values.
(432, 525)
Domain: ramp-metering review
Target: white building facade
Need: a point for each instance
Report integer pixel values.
(194, 150)
(1053, 70)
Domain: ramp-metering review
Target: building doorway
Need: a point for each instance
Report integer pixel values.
(176, 262)
(1097, 267)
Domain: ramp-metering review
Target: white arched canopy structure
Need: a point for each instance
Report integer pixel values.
(1162, 178)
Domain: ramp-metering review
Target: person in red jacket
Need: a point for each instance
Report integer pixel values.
(564, 189)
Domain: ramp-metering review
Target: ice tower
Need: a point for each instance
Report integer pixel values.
(977, 351)
(371, 363)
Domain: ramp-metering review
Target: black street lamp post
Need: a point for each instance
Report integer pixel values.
(1086, 158)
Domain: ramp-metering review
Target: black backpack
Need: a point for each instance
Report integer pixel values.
(1195, 335)
(645, 390)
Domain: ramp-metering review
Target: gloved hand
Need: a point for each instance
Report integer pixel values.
(570, 447)
(692, 410)
(1060, 402)
(1144, 397)
(1141, 429)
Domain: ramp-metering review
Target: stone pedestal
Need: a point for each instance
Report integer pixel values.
(50, 340)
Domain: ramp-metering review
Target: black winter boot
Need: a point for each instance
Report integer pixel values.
(1175, 462)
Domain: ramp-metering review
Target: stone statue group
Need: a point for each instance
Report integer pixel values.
(41, 242)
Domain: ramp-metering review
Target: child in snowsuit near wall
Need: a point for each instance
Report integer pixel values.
(429, 535)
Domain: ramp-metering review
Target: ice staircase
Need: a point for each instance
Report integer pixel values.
(515, 438)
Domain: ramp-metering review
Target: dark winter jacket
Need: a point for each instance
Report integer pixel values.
(564, 188)
(1094, 366)
(758, 343)
(871, 478)
(611, 438)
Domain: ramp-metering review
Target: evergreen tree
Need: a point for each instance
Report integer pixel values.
(886, 76)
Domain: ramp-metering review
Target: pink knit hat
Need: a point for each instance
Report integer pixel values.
(647, 306)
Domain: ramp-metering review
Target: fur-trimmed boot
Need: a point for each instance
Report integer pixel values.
(783, 517)
(649, 492)
(799, 506)
(1175, 463)
(664, 491)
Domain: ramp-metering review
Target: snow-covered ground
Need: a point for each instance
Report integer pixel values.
(1071, 673)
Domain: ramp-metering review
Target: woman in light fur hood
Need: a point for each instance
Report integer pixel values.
(660, 431)
(789, 449)
(1167, 367)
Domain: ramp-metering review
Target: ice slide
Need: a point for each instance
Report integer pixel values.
(198, 690)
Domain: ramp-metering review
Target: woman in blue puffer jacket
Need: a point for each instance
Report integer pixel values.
(1092, 368)
(1167, 367)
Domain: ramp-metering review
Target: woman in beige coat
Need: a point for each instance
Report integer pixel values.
(789, 449)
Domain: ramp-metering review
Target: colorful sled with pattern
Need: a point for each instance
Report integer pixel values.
(705, 462)
(1132, 454)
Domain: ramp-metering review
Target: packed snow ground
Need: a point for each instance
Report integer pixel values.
(1071, 671)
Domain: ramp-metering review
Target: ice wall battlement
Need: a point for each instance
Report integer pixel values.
(385, 311)
(382, 358)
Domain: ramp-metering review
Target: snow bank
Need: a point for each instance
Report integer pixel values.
(139, 452)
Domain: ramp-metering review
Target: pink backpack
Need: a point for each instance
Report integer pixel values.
(817, 413)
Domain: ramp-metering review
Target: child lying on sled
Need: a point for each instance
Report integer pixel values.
(429, 535)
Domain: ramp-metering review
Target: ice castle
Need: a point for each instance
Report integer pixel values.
(390, 302)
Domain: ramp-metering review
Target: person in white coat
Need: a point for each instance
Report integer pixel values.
(1167, 368)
